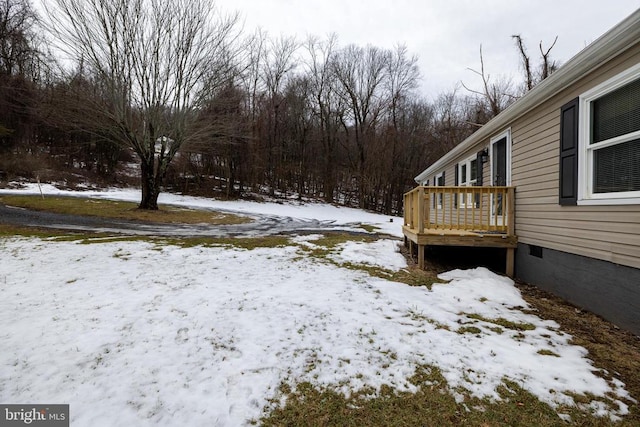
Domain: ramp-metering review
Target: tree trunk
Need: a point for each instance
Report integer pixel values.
(150, 187)
(328, 184)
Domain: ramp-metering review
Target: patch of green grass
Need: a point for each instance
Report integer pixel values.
(121, 210)
(89, 240)
(497, 329)
(328, 243)
(507, 324)
(325, 245)
(546, 352)
(432, 404)
(411, 277)
(122, 254)
(248, 243)
(331, 240)
(469, 330)
(7, 230)
(415, 277)
(370, 228)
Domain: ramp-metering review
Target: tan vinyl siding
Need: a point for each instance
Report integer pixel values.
(593, 248)
(610, 233)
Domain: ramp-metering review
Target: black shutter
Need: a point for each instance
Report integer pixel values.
(480, 167)
(444, 182)
(456, 182)
(569, 153)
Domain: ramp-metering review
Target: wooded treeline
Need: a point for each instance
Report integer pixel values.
(279, 116)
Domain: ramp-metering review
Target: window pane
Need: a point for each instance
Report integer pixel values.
(616, 113)
(617, 168)
(463, 174)
(474, 170)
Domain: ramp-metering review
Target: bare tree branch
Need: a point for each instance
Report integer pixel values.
(547, 66)
(496, 94)
(526, 61)
(157, 62)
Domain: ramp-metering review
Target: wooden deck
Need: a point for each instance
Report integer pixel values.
(461, 216)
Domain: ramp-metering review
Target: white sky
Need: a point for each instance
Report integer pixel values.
(444, 34)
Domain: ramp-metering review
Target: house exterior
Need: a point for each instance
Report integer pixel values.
(571, 149)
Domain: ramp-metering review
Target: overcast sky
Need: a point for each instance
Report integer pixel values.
(444, 34)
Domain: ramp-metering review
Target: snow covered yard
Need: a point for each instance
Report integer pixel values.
(142, 333)
(130, 333)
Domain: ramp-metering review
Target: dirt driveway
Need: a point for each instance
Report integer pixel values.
(262, 225)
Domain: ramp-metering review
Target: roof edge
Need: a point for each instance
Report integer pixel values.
(613, 43)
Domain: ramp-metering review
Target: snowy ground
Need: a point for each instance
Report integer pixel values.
(133, 333)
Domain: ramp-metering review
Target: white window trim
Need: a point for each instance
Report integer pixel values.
(467, 162)
(585, 151)
(497, 220)
(439, 196)
(438, 176)
(470, 182)
(506, 133)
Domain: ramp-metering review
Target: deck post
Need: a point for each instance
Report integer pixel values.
(421, 257)
(406, 211)
(511, 211)
(511, 229)
(421, 209)
(510, 262)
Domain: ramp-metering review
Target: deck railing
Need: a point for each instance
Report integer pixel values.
(477, 209)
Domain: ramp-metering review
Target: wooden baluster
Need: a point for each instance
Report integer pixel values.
(421, 209)
(427, 206)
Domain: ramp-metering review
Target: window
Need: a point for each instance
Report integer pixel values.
(467, 177)
(468, 172)
(439, 181)
(610, 141)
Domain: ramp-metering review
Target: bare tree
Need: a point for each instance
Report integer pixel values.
(17, 50)
(280, 62)
(326, 106)
(526, 62)
(251, 76)
(497, 95)
(19, 59)
(156, 63)
(546, 67)
(403, 76)
(360, 73)
(278, 66)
